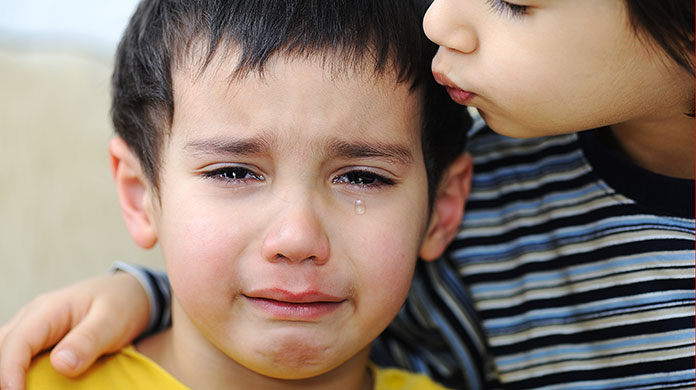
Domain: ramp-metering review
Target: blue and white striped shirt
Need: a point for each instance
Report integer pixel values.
(572, 269)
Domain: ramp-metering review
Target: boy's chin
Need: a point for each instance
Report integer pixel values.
(293, 362)
(296, 357)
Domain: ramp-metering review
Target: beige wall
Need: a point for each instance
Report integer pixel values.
(59, 217)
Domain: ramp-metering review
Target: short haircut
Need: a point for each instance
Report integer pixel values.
(667, 23)
(386, 33)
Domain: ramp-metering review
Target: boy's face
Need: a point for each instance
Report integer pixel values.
(559, 67)
(267, 252)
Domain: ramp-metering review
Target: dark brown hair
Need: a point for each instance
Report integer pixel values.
(669, 24)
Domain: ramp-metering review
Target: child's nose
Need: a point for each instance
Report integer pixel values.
(297, 235)
(447, 28)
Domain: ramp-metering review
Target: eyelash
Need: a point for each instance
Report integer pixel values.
(357, 178)
(504, 7)
(233, 174)
(360, 178)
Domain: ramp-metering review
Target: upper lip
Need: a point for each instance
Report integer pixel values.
(443, 80)
(282, 295)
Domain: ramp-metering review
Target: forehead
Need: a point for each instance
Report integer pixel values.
(295, 94)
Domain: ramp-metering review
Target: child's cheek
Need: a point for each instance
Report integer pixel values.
(390, 246)
(201, 260)
(387, 266)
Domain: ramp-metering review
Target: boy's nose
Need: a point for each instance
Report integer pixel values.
(447, 28)
(296, 236)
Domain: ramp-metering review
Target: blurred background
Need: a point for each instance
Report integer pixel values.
(59, 215)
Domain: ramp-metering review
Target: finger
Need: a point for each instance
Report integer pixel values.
(29, 335)
(11, 324)
(14, 371)
(94, 336)
(8, 380)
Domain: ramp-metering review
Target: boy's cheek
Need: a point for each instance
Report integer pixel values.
(386, 267)
(199, 251)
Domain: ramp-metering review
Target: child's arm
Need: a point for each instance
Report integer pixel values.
(92, 317)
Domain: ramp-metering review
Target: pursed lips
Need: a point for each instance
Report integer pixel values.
(457, 94)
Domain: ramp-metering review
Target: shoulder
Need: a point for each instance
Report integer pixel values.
(488, 147)
(508, 170)
(124, 369)
(398, 379)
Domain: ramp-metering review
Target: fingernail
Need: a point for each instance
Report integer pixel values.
(67, 357)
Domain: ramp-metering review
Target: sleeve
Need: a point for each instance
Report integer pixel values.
(156, 285)
(437, 332)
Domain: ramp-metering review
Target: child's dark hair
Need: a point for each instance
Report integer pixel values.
(669, 24)
(162, 33)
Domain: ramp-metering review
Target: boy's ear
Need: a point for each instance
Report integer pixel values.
(448, 208)
(134, 193)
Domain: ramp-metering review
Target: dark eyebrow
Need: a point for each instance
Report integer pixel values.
(392, 152)
(228, 146)
(396, 153)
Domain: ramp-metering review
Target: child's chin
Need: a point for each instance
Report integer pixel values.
(296, 358)
(296, 366)
(294, 373)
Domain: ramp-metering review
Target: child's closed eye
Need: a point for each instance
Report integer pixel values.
(508, 8)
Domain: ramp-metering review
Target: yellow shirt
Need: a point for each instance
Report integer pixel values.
(129, 369)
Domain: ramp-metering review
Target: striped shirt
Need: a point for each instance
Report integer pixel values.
(572, 269)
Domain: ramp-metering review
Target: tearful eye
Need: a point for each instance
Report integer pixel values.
(233, 174)
(363, 179)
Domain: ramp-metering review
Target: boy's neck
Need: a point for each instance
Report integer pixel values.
(193, 360)
(664, 146)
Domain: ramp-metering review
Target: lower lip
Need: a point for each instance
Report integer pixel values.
(295, 311)
(460, 96)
